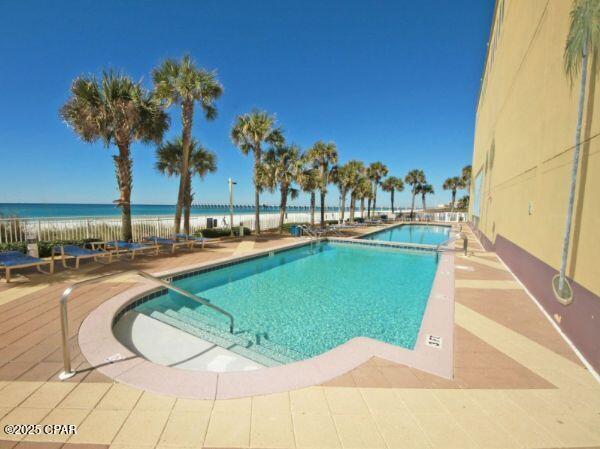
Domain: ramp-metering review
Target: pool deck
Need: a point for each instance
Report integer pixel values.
(516, 382)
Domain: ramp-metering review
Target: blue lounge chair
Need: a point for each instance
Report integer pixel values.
(172, 243)
(132, 248)
(10, 260)
(201, 240)
(78, 253)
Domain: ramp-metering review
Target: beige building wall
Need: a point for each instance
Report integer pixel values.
(524, 139)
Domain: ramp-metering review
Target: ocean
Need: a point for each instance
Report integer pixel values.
(38, 210)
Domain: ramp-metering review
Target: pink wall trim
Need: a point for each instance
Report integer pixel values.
(580, 321)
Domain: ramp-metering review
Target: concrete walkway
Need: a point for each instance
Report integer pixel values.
(517, 384)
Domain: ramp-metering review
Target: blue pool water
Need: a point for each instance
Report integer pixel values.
(311, 299)
(423, 234)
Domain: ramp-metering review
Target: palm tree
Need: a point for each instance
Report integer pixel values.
(363, 191)
(583, 39)
(345, 179)
(414, 179)
(283, 166)
(323, 155)
(184, 84)
(425, 189)
(377, 171)
(453, 184)
(117, 111)
(392, 185)
(248, 133)
(169, 162)
(309, 183)
(466, 178)
(359, 173)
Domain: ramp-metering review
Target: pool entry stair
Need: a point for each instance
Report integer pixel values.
(255, 346)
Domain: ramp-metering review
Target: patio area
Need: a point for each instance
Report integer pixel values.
(516, 381)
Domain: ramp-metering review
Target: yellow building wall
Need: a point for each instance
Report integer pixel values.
(524, 137)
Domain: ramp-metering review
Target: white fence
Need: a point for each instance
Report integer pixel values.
(14, 230)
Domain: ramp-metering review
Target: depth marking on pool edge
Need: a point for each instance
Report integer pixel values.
(434, 341)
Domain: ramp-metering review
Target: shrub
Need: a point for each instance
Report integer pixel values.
(222, 232)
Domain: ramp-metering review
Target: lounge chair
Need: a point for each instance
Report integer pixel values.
(122, 247)
(11, 260)
(78, 253)
(200, 240)
(172, 243)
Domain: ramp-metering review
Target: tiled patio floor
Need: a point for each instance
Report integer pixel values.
(517, 383)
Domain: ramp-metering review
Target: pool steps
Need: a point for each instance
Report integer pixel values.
(242, 342)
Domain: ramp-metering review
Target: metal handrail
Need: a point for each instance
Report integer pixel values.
(68, 371)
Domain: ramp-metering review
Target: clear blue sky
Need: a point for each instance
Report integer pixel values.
(395, 81)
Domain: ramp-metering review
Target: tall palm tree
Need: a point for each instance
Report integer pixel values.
(363, 191)
(466, 177)
(425, 189)
(183, 83)
(117, 111)
(248, 133)
(453, 184)
(309, 183)
(583, 39)
(414, 179)
(323, 156)
(283, 166)
(377, 171)
(345, 179)
(392, 185)
(359, 174)
(169, 162)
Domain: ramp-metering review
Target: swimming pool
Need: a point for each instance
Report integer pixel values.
(298, 303)
(413, 233)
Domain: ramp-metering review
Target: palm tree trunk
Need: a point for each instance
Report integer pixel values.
(352, 206)
(282, 206)
(453, 200)
(187, 113)
(257, 156)
(374, 198)
(322, 208)
(423, 200)
(343, 206)
(369, 207)
(362, 208)
(412, 206)
(187, 205)
(312, 207)
(392, 199)
(123, 165)
(565, 249)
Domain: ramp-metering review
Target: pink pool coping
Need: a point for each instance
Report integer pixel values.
(99, 345)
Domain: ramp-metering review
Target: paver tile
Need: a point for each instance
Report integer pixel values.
(16, 392)
(85, 395)
(184, 429)
(228, 430)
(237, 406)
(120, 397)
(358, 431)
(484, 431)
(142, 427)
(272, 431)
(314, 430)
(100, 426)
(307, 400)
(60, 416)
(443, 431)
(271, 403)
(346, 401)
(152, 401)
(49, 395)
(383, 401)
(400, 430)
(193, 405)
